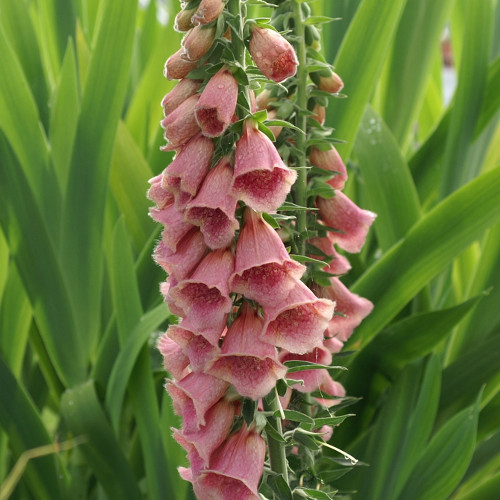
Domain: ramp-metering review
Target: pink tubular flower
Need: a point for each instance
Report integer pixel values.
(191, 165)
(198, 392)
(330, 388)
(165, 288)
(189, 251)
(351, 222)
(261, 179)
(272, 54)
(204, 297)
(338, 264)
(250, 365)
(197, 42)
(213, 208)
(180, 125)
(176, 67)
(198, 350)
(219, 419)
(217, 103)
(174, 360)
(263, 269)
(175, 227)
(330, 160)
(182, 91)
(156, 193)
(235, 469)
(298, 323)
(312, 378)
(351, 309)
(208, 11)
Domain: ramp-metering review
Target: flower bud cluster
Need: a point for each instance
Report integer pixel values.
(243, 309)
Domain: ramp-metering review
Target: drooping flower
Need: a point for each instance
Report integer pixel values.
(182, 91)
(249, 364)
(173, 221)
(181, 125)
(204, 297)
(330, 160)
(235, 469)
(217, 103)
(156, 193)
(261, 179)
(208, 11)
(197, 42)
(174, 360)
(176, 67)
(321, 247)
(330, 387)
(263, 268)
(272, 54)
(213, 208)
(351, 309)
(351, 222)
(297, 324)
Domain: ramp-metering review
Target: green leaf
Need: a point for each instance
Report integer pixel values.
(295, 416)
(280, 487)
(385, 172)
(409, 265)
(442, 465)
(316, 494)
(319, 20)
(81, 239)
(333, 421)
(23, 425)
(300, 366)
(84, 416)
(366, 42)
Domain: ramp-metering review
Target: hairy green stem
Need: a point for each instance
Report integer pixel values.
(300, 186)
(277, 456)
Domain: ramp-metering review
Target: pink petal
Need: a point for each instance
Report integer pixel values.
(261, 179)
(157, 194)
(174, 360)
(217, 103)
(176, 67)
(165, 289)
(263, 269)
(352, 222)
(235, 469)
(330, 160)
(333, 344)
(213, 208)
(350, 310)
(338, 265)
(184, 89)
(330, 388)
(298, 323)
(246, 362)
(208, 11)
(175, 226)
(180, 125)
(201, 389)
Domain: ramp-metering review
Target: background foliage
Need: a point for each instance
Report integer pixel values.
(80, 87)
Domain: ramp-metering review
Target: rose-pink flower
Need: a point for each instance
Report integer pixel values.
(338, 264)
(213, 208)
(158, 194)
(249, 364)
(217, 103)
(272, 54)
(183, 90)
(261, 179)
(181, 125)
(173, 221)
(174, 360)
(351, 222)
(330, 160)
(263, 268)
(208, 11)
(176, 67)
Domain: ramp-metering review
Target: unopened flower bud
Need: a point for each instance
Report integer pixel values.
(272, 54)
(319, 114)
(183, 20)
(184, 89)
(208, 11)
(197, 43)
(176, 67)
(328, 81)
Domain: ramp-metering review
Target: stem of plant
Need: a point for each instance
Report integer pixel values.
(300, 186)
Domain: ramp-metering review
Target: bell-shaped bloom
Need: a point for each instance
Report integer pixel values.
(217, 103)
(272, 54)
(323, 247)
(174, 360)
(182, 91)
(156, 193)
(197, 42)
(325, 432)
(235, 469)
(206, 439)
(173, 221)
(213, 208)
(350, 222)
(275, 129)
(333, 344)
(261, 179)
(189, 252)
(297, 324)
(190, 166)
(208, 11)
(165, 289)
(205, 296)
(177, 68)
(196, 348)
(330, 387)
(194, 395)
(181, 125)
(350, 310)
(183, 20)
(330, 160)
(249, 364)
(312, 379)
(263, 270)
